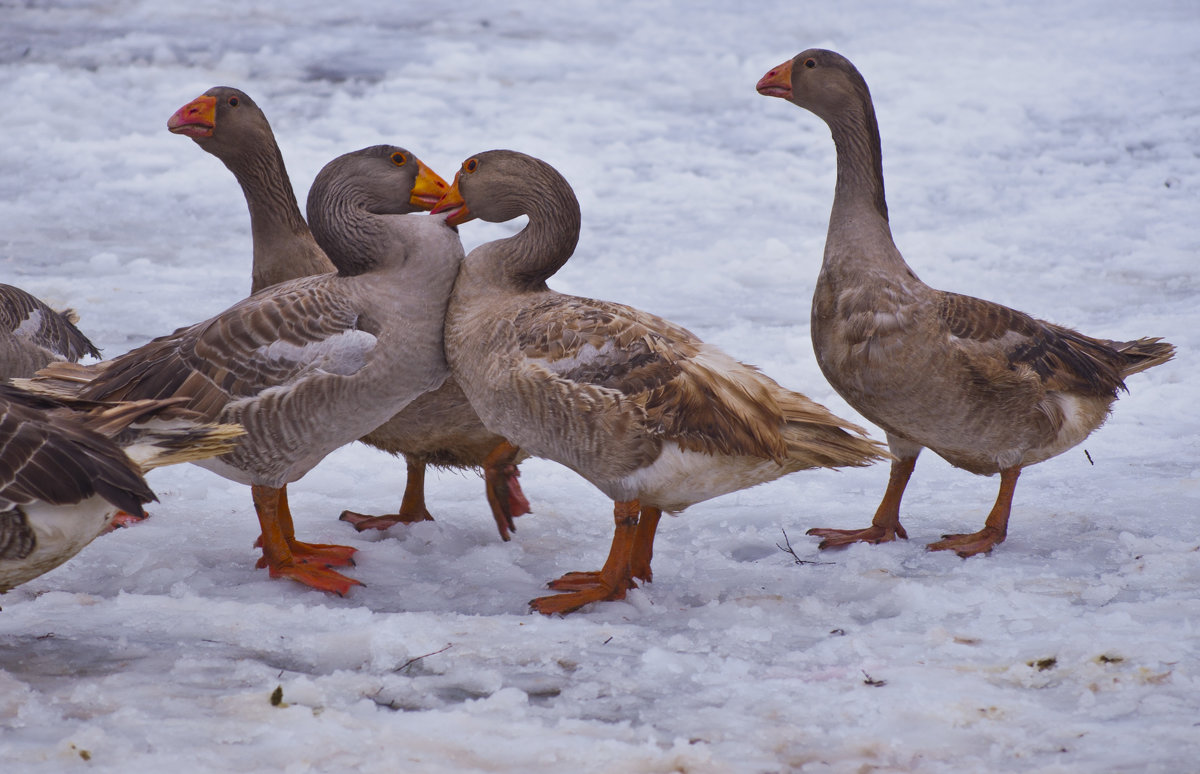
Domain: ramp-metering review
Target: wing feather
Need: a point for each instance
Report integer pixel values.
(28, 318)
(271, 339)
(683, 390)
(1060, 358)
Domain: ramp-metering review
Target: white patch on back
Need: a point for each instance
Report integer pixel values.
(344, 354)
(29, 327)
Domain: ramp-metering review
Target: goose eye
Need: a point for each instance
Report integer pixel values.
(233, 102)
(471, 165)
(399, 159)
(810, 63)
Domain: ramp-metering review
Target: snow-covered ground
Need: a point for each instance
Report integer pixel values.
(1044, 155)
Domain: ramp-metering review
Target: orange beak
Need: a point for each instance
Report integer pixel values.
(453, 203)
(197, 118)
(428, 188)
(777, 82)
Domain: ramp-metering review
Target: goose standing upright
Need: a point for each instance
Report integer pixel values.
(438, 428)
(32, 335)
(651, 415)
(988, 388)
(309, 365)
(66, 467)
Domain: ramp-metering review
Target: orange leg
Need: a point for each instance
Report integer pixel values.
(995, 527)
(643, 544)
(613, 579)
(885, 527)
(412, 504)
(286, 557)
(504, 493)
(640, 554)
(328, 554)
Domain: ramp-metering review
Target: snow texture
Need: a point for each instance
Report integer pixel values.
(1043, 155)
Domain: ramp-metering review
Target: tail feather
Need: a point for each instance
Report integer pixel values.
(816, 437)
(63, 379)
(1143, 353)
(159, 444)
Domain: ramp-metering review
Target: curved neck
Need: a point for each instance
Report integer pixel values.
(352, 236)
(533, 255)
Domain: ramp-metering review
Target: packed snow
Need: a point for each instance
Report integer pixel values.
(1043, 155)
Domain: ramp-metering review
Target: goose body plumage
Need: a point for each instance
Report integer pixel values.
(32, 335)
(68, 466)
(651, 415)
(309, 365)
(988, 388)
(438, 428)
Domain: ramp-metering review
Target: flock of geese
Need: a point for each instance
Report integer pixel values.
(367, 322)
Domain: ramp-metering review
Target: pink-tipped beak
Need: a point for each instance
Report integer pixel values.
(777, 82)
(197, 118)
(454, 204)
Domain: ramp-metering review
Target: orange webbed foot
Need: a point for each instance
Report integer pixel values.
(599, 590)
(965, 545)
(580, 581)
(503, 489)
(317, 577)
(363, 522)
(123, 519)
(327, 554)
(836, 538)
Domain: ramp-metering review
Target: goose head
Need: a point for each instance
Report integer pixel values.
(821, 81)
(500, 185)
(223, 121)
(350, 194)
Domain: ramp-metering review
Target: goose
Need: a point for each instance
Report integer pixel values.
(655, 418)
(68, 466)
(32, 335)
(309, 365)
(438, 428)
(988, 388)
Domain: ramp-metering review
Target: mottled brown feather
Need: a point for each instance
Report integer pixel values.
(653, 364)
(1061, 358)
(25, 348)
(220, 360)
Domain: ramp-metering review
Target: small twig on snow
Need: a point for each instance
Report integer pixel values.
(415, 659)
(871, 681)
(787, 549)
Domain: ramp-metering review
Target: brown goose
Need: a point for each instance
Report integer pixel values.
(648, 413)
(990, 389)
(66, 467)
(33, 335)
(439, 428)
(309, 365)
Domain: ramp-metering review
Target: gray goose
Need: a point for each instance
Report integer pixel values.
(33, 335)
(988, 388)
(311, 364)
(651, 415)
(66, 467)
(439, 428)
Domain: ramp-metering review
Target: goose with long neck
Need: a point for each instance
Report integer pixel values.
(640, 407)
(309, 365)
(227, 123)
(988, 388)
(439, 428)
